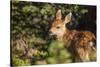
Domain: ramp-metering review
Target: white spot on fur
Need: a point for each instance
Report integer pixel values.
(91, 44)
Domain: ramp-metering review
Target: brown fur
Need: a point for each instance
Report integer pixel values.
(80, 43)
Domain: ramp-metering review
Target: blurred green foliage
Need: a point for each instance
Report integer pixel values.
(58, 53)
(30, 22)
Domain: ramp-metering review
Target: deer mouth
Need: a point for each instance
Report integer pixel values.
(53, 36)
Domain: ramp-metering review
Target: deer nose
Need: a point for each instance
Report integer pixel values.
(50, 32)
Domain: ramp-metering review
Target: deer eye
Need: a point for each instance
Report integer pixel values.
(57, 27)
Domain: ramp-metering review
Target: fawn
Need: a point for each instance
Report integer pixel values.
(80, 43)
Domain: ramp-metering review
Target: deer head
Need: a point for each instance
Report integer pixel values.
(58, 27)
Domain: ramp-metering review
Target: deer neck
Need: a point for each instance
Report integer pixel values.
(61, 38)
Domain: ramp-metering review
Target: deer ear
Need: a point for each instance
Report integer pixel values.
(58, 14)
(68, 18)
